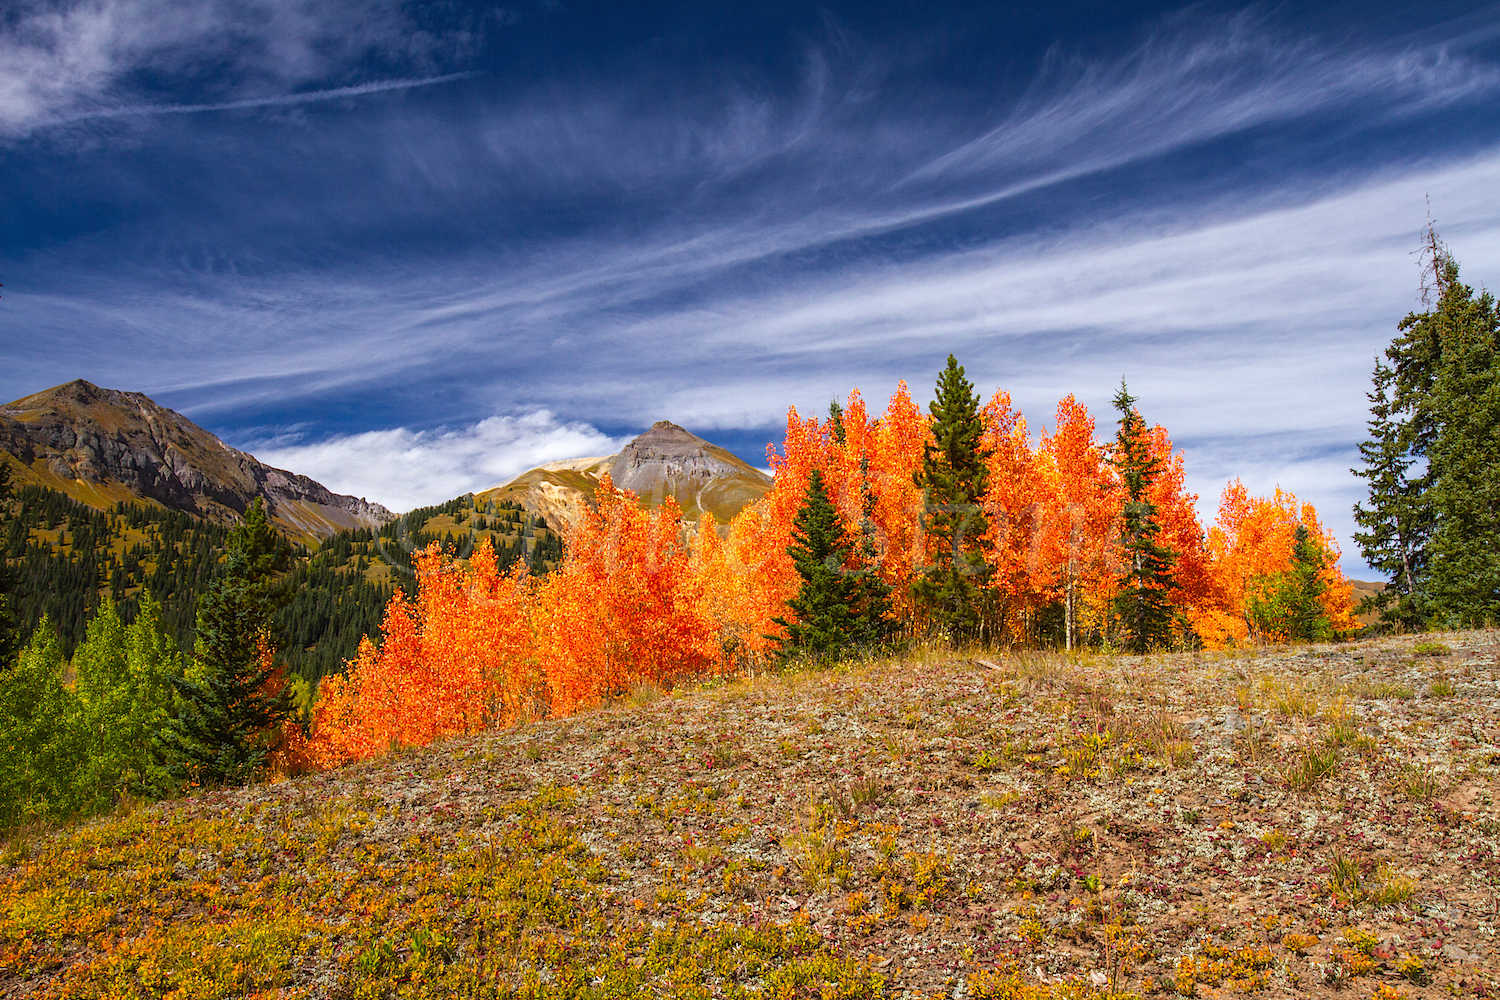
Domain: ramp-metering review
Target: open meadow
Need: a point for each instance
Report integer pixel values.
(1308, 821)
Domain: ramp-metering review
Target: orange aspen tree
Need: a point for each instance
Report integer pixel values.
(476, 635)
(739, 609)
(365, 710)
(769, 530)
(1250, 540)
(873, 465)
(453, 661)
(1087, 507)
(625, 607)
(899, 438)
(875, 489)
(1017, 503)
(1177, 513)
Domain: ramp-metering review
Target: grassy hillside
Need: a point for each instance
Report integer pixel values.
(1285, 822)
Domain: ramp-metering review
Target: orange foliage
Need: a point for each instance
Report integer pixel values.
(760, 534)
(896, 456)
(736, 606)
(878, 458)
(1252, 541)
(452, 662)
(1085, 511)
(626, 607)
(1176, 512)
(1018, 504)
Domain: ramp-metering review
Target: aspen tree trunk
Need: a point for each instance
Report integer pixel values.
(1068, 611)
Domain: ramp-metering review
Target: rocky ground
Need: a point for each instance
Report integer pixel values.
(1305, 821)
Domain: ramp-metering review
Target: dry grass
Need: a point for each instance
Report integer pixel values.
(1282, 822)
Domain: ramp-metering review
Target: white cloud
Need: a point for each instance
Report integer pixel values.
(404, 469)
(70, 60)
(1247, 327)
(286, 100)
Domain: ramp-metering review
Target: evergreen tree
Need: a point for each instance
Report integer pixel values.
(1292, 607)
(953, 478)
(1464, 461)
(836, 608)
(268, 555)
(233, 697)
(10, 628)
(1436, 407)
(1399, 519)
(1143, 604)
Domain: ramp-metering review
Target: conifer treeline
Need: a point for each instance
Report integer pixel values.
(64, 557)
(62, 576)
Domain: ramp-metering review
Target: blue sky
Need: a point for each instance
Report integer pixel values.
(411, 250)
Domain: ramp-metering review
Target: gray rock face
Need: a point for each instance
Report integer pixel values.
(666, 461)
(79, 434)
(669, 454)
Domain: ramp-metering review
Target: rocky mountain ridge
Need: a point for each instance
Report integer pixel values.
(664, 461)
(101, 446)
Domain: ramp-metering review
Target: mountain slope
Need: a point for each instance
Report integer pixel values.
(665, 461)
(1032, 826)
(101, 446)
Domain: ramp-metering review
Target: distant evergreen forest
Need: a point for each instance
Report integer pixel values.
(64, 556)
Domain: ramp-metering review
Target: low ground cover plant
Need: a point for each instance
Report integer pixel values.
(668, 846)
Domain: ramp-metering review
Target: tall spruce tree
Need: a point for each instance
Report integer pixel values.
(836, 418)
(837, 608)
(1464, 461)
(953, 479)
(1143, 605)
(229, 703)
(1436, 535)
(1399, 518)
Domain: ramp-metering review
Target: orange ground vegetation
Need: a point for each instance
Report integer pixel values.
(641, 599)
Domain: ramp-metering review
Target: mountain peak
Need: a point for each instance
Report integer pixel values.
(667, 460)
(666, 439)
(76, 393)
(101, 446)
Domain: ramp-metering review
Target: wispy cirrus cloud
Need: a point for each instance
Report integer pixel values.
(1220, 212)
(65, 61)
(285, 100)
(1187, 86)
